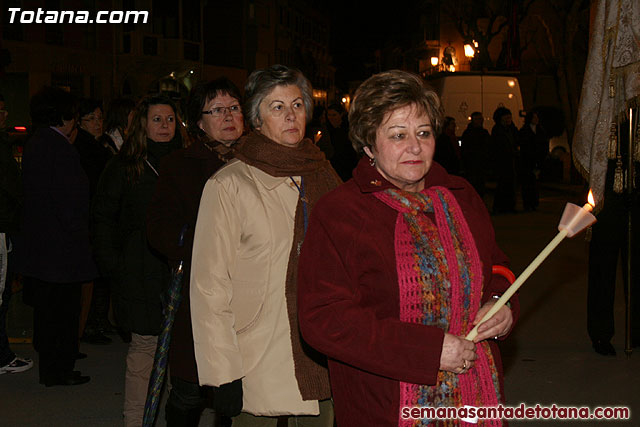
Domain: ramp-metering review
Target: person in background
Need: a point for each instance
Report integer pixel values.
(215, 123)
(530, 140)
(117, 122)
(10, 205)
(475, 143)
(447, 150)
(504, 152)
(251, 223)
(138, 274)
(94, 157)
(318, 132)
(55, 253)
(396, 268)
(345, 158)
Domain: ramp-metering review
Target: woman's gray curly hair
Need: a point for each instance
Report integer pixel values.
(260, 84)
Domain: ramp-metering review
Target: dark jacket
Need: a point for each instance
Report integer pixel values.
(93, 156)
(344, 159)
(55, 244)
(348, 298)
(138, 274)
(10, 187)
(175, 203)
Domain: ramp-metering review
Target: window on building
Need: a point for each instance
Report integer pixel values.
(191, 21)
(165, 18)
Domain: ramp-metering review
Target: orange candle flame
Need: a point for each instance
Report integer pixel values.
(590, 202)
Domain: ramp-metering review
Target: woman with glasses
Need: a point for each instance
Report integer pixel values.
(215, 123)
(94, 157)
(138, 274)
(251, 223)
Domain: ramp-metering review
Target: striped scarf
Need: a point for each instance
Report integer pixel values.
(440, 284)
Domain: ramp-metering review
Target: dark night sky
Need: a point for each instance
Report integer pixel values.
(358, 28)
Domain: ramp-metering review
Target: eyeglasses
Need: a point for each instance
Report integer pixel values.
(222, 111)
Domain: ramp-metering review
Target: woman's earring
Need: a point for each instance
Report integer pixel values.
(372, 161)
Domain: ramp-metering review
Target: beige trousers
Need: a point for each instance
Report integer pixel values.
(325, 419)
(142, 350)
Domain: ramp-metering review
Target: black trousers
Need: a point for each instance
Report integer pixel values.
(56, 314)
(608, 245)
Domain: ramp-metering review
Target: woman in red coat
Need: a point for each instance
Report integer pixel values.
(215, 122)
(396, 268)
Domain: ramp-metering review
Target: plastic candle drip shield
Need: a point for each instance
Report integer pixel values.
(575, 219)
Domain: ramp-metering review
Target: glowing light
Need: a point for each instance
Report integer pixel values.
(434, 61)
(511, 83)
(510, 96)
(20, 128)
(344, 100)
(590, 199)
(469, 51)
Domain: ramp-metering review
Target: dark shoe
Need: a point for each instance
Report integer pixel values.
(79, 356)
(604, 348)
(95, 337)
(71, 378)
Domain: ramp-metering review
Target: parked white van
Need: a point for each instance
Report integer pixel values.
(462, 93)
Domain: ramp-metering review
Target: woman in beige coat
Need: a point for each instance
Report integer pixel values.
(251, 223)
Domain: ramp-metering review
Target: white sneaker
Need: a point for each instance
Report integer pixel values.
(18, 364)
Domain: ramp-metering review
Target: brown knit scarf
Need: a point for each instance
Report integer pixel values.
(305, 160)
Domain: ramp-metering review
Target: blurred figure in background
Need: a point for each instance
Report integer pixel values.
(93, 157)
(345, 158)
(215, 123)
(10, 205)
(138, 274)
(447, 150)
(504, 152)
(117, 122)
(55, 253)
(532, 141)
(475, 143)
(318, 132)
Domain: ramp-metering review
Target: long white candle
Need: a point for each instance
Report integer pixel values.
(526, 273)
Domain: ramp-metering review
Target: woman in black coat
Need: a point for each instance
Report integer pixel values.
(215, 123)
(138, 274)
(55, 253)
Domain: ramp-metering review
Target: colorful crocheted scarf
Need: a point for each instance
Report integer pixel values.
(440, 284)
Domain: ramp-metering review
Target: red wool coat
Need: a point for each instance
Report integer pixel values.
(348, 295)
